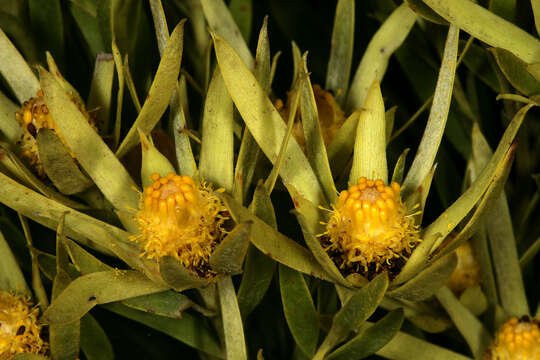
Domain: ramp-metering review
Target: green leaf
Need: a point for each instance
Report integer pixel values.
(317, 250)
(369, 158)
(83, 261)
(241, 11)
(119, 65)
(515, 71)
(64, 338)
(222, 23)
(58, 164)
(488, 27)
(274, 244)
(229, 255)
(354, 313)
(91, 152)
(373, 65)
(167, 303)
(258, 268)
(190, 329)
(429, 145)
(28, 356)
(300, 313)
(478, 62)
(405, 347)
(160, 25)
(163, 86)
(341, 147)
(370, 340)
(504, 8)
(477, 337)
(102, 287)
(11, 276)
(100, 96)
(399, 169)
(535, 4)
(217, 150)
(153, 162)
(426, 283)
(9, 126)
(424, 11)
(341, 50)
(182, 146)
(94, 342)
(316, 149)
(235, 346)
(265, 123)
(16, 71)
(449, 219)
(177, 276)
(474, 299)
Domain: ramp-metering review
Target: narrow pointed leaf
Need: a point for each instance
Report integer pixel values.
(177, 276)
(399, 169)
(222, 23)
(103, 287)
(370, 340)
(91, 152)
(341, 50)
(274, 244)
(182, 146)
(94, 342)
(11, 276)
(9, 126)
(22, 81)
(300, 313)
(58, 164)
(516, 72)
(264, 122)
(101, 89)
(429, 145)
(160, 92)
(451, 217)
(190, 329)
(488, 27)
(316, 149)
(229, 255)
(235, 346)
(373, 65)
(425, 284)
(217, 152)
(476, 335)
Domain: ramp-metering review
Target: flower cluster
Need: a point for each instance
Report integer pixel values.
(369, 227)
(19, 331)
(180, 218)
(517, 339)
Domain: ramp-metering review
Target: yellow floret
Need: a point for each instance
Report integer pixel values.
(19, 332)
(517, 339)
(369, 227)
(180, 218)
(35, 115)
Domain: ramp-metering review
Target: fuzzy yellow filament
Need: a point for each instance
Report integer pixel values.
(179, 218)
(369, 226)
(517, 339)
(19, 332)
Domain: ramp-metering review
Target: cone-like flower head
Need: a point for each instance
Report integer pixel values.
(517, 339)
(369, 228)
(180, 218)
(19, 332)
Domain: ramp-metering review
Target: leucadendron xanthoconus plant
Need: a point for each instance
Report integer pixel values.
(429, 262)
(169, 197)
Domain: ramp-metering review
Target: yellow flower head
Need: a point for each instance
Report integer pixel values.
(369, 228)
(331, 117)
(180, 218)
(19, 332)
(35, 115)
(517, 339)
(467, 272)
